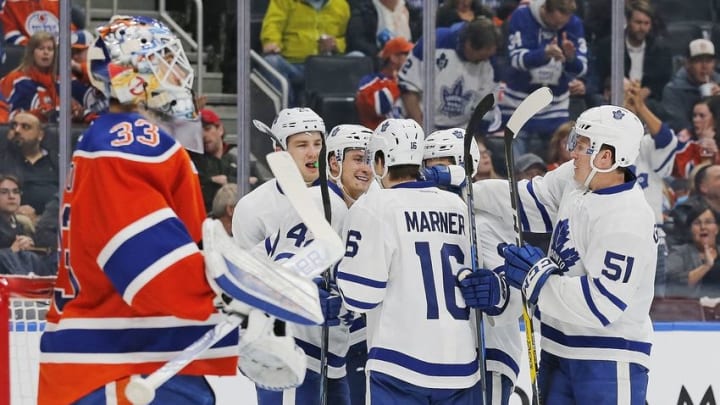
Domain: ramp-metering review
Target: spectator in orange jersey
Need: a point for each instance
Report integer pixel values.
(379, 92)
(32, 86)
(21, 19)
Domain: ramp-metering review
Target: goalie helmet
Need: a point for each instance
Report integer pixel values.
(402, 142)
(613, 126)
(346, 136)
(138, 60)
(451, 143)
(291, 121)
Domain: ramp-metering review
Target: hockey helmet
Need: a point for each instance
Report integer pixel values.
(613, 126)
(402, 142)
(345, 136)
(291, 121)
(451, 143)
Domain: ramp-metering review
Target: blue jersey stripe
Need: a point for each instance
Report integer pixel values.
(502, 357)
(358, 304)
(130, 340)
(368, 282)
(590, 303)
(600, 342)
(604, 291)
(421, 366)
(541, 208)
(313, 351)
(141, 250)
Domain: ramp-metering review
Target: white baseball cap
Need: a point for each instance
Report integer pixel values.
(701, 47)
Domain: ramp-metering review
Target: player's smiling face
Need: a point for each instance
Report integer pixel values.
(305, 147)
(356, 174)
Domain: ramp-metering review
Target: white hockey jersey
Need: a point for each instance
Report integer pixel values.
(605, 243)
(405, 246)
(459, 84)
(291, 235)
(257, 214)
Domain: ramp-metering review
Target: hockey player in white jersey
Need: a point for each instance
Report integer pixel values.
(256, 215)
(265, 220)
(392, 234)
(503, 346)
(348, 168)
(592, 291)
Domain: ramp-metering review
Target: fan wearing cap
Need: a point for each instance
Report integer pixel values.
(379, 94)
(695, 80)
(530, 165)
(217, 165)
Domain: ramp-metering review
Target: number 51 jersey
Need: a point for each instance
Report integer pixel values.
(405, 246)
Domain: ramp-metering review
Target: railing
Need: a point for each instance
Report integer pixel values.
(284, 86)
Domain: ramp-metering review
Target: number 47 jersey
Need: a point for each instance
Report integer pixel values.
(405, 246)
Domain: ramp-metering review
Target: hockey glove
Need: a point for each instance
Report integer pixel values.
(330, 304)
(451, 178)
(272, 361)
(484, 290)
(518, 261)
(537, 277)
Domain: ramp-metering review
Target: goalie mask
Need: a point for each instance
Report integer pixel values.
(450, 143)
(402, 142)
(291, 121)
(139, 61)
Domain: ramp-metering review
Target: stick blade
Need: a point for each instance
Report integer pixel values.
(536, 101)
(482, 108)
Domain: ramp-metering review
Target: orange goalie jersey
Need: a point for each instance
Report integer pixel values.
(131, 290)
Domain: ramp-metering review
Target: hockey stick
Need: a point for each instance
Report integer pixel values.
(535, 102)
(485, 105)
(324, 342)
(141, 390)
(290, 180)
(262, 127)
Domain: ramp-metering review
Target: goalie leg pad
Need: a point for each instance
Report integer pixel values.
(272, 362)
(257, 281)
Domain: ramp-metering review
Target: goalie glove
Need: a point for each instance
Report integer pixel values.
(484, 290)
(243, 280)
(273, 362)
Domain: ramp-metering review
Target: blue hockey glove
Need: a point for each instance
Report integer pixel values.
(450, 177)
(330, 304)
(537, 277)
(518, 261)
(484, 290)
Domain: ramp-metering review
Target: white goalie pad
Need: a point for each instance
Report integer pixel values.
(258, 281)
(272, 362)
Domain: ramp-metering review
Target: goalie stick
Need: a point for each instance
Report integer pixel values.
(535, 102)
(141, 390)
(483, 107)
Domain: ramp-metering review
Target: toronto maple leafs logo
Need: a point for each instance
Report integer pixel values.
(454, 99)
(385, 126)
(565, 257)
(618, 114)
(441, 61)
(458, 134)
